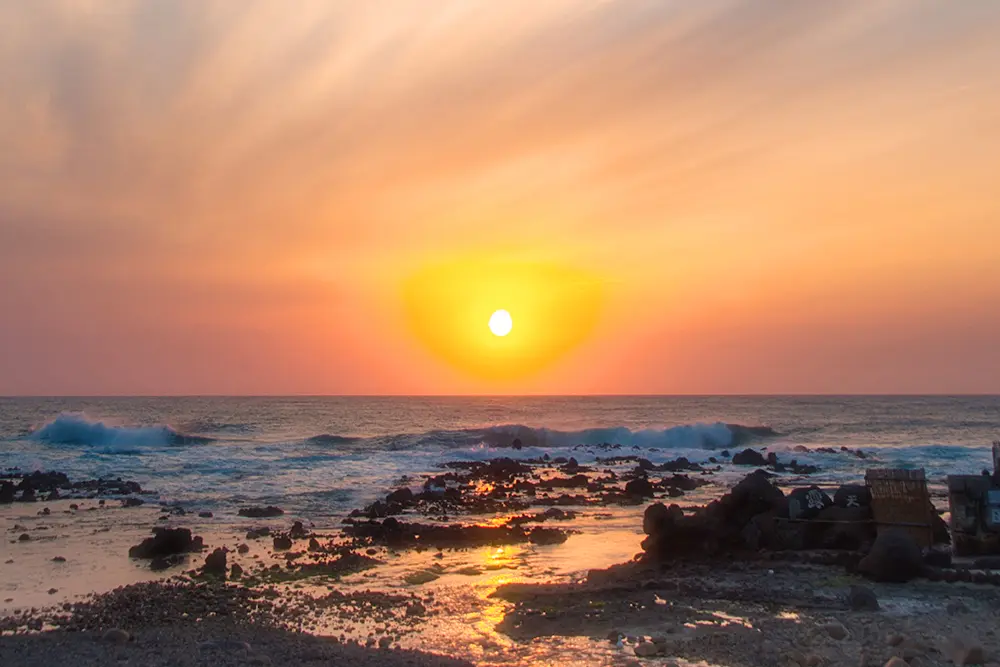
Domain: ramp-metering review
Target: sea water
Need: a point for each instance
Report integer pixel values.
(322, 456)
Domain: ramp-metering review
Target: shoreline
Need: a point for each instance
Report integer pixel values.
(496, 562)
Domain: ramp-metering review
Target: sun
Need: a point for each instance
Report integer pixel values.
(501, 323)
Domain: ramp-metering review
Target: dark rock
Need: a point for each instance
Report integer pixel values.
(938, 557)
(59, 559)
(6, 493)
(807, 503)
(43, 481)
(282, 543)
(298, 531)
(215, 563)
(772, 459)
(314, 544)
(257, 533)
(639, 488)
(132, 502)
(547, 536)
(402, 496)
(24, 537)
(517, 444)
(861, 598)
(27, 496)
(853, 495)
(852, 530)
(894, 557)
(749, 457)
(166, 542)
(261, 512)
(242, 549)
(236, 572)
(205, 515)
(161, 563)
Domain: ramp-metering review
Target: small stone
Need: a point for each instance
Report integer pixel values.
(835, 630)
(53, 591)
(964, 651)
(956, 607)
(59, 559)
(895, 640)
(646, 649)
(862, 598)
(24, 537)
(896, 661)
(385, 642)
(205, 515)
(116, 636)
(242, 549)
(614, 636)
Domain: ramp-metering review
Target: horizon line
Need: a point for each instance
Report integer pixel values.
(526, 395)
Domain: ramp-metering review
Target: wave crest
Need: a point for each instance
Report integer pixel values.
(74, 428)
(690, 436)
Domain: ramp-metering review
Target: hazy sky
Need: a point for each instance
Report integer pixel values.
(249, 197)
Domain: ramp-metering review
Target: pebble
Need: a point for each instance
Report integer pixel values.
(862, 598)
(896, 661)
(24, 537)
(835, 630)
(646, 649)
(59, 559)
(964, 651)
(116, 636)
(205, 515)
(53, 591)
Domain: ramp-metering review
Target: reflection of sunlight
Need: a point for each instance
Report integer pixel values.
(788, 616)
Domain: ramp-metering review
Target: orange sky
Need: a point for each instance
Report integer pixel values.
(320, 197)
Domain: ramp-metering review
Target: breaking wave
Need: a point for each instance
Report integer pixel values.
(72, 428)
(692, 436)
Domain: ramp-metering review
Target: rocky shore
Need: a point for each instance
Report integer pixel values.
(752, 576)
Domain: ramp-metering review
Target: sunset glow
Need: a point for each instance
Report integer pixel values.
(668, 197)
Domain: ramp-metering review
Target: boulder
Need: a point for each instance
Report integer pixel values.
(749, 457)
(640, 488)
(894, 557)
(807, 503)
(852, 531)
(261, 512)
(853, 495)
(215, 563)
(167, 542)
(6, 493)
(282, 543)
(402, 496)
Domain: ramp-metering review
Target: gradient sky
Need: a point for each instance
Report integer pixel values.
(238, 197)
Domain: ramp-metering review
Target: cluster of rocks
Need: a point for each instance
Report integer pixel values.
(397, 534)
(505, 485)
(751, 457)
(38, 485)
(756, 515)
(167, 547)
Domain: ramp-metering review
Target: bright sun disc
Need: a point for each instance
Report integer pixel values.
(501, 323)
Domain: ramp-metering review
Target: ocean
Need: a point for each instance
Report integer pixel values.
(322, 456)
